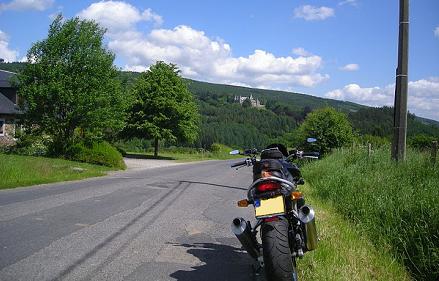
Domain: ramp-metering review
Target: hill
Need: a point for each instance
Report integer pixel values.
(297, 101)
(225, 121)
(295, 106)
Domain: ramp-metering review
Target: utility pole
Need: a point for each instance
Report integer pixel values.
(400, 106)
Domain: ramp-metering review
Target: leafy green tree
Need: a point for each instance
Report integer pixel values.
(70, 90)
(163, 109)
(331, 128)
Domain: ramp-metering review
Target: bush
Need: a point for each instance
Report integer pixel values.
(421, 142)
(215, 147)
(133, 145)
(178, 150)
(375, 141)
(30, 145)
(101, 153)
(395, 205)
(331, 128)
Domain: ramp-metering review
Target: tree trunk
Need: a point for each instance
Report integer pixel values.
(156, 147)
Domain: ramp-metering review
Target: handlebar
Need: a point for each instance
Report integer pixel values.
(296, 155)
(311, 154)
(300, 155)
(242, 163)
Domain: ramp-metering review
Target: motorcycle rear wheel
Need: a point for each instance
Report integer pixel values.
(278, 262)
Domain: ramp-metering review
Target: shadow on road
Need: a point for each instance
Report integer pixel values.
(180, 187)
(144, 156)
(221, 263)
(215, 184)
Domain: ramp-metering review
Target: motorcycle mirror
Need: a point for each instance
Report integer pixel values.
(311, 140)
(234, 152)
(250, 151)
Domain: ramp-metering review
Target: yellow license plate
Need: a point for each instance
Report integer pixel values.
(270, 206)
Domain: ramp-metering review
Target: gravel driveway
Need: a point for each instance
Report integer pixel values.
(144, 164)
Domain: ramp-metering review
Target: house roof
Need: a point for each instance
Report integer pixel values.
(5, 78)
(7, 106)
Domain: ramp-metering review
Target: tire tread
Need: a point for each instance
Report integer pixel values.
(277, 254)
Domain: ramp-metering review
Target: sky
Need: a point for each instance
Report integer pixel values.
(339, 49)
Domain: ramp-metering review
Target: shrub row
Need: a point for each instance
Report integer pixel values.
(395, 205)
(100, 153)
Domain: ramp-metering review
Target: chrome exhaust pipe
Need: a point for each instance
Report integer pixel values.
(307, 217)
(242, 230)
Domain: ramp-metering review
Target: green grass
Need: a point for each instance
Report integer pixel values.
(18, 170)
(185, 154)
(395, 206)
(343, 253)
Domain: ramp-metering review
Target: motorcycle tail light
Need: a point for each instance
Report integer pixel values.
(268, 186)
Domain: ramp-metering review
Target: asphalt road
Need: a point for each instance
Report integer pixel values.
(168, 223)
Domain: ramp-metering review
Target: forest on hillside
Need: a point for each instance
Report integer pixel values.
(225, 121)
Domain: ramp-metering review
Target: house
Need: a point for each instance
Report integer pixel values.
(253, 102)
(8, 108)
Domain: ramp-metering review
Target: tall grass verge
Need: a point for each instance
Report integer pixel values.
(343, 253)
(395, 205)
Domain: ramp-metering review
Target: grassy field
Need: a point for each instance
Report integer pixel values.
(343, 253)
(183, 154)
(18, 170)
(394, 206)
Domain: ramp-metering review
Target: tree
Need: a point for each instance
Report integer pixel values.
(163, 109)
(70, 90)
(332, 129)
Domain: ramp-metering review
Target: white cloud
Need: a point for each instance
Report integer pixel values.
(203, 58)
(374, 96)
(18, 5)
(5, 52)
(301, 52)
(350, 67)
(436, 32)
(423, 96)
(149, 15)
(311, 13)
(197, 55)
(118, 16)
(348, 2)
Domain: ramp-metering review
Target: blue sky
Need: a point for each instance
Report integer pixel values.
(341, 49)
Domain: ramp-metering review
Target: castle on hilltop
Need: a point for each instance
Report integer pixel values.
(253, 102)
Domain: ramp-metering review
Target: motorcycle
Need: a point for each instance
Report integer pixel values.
(286, 223)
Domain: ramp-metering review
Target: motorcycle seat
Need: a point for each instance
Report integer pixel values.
(271, 153)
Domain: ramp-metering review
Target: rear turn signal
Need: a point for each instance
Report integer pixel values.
(243, 203)
(296, 195)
